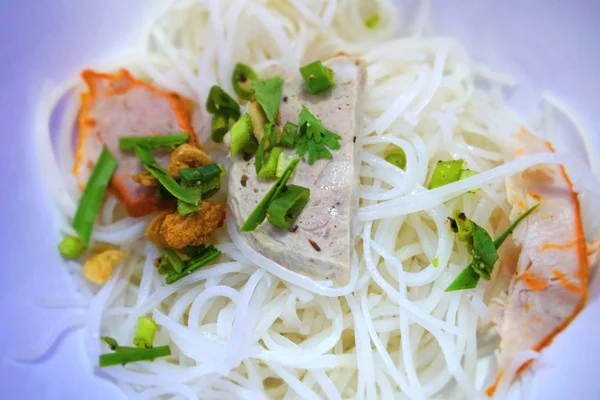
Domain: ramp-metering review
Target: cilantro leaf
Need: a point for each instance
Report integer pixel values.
(314, 138)
(268, 95)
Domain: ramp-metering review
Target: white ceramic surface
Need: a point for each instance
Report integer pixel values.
(545, 44)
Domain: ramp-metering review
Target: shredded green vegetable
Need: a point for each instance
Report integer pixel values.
(107, 360)
(446, 172)
(317, 77)
(268, 95)
(90, 201)
(128, 143)
(241, 80)
(187, 195)
(145, 332)
(285, 209)
(71, 247)
(258, 215)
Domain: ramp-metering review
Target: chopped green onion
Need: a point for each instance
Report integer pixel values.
(258, 215)
(194, 251)
(90, 201)
(289, 135)
(268, 95)
(317, 77)
(173, 259)
(396, 157)
(112, 343)
(467, 279)
(71, 247)
(201, 174)
(163, 194)
(241, 80)
(241, 135)
(269, 140)
(188, 195)
(219, 127)
(164, 266)
(107, 360)
(484, 252)
(287, 206)
(282, 164)
(219, 102)
(372, 21)
(258, 119)
(209, 254)
(435, 262)
(446, 172)
(184, 208)
(500, 239)
(128, 143)
(269, 169)
(467, 173)
(144, 334)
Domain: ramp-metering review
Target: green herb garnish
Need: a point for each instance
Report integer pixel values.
(258, 215)
(481, 247)
(71, 247)
(396, 157)
(317, 77)
(268, 95)
(128, 143)
(206, 256)
(314, 138)
(144, 334)
(206, 178)
(242, 79)
(242, 137)
(372, 21)
(219, 102)
(187, 195)
(269, 168)
(173, 259)
(125, 357)
(289, 135)
(219, 127)
(90, 201)
(446, 172)
(287, 206)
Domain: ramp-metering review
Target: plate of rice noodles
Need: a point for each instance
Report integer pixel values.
(300, 199)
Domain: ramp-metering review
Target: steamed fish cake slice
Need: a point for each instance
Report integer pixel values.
(321, 243)
(550, 284)
(118, 105)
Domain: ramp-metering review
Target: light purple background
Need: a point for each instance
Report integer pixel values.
(548, 44)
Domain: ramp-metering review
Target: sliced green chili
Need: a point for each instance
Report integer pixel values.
(317, 77)
(258, 215)
(90, 201)
(107, 360)
(71, 247)
(128, 143)
(187, 195)
(144, 334)
(242, 79)
(287, 206)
